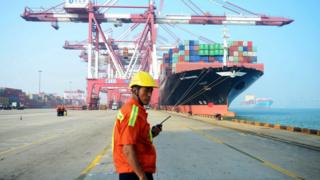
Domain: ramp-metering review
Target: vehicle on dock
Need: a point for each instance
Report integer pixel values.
(114, 106)
(17, 105)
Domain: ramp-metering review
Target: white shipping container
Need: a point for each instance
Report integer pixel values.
(76, 3)
(236, 53)
(173, 69)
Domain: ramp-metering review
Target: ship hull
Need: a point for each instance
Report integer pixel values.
(207, 90)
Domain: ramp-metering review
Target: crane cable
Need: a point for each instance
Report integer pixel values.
(204, 39)
(185, 3)
(192, 85)
(196, 6)
(165, 28)
(202, 91)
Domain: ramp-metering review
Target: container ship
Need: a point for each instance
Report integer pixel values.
(205, 78)
(253, 102)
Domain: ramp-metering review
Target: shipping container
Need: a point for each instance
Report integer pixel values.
(219, 58)
(204, 58)
(181, 58)
(192, 51)
(211, 59)
(4, 101)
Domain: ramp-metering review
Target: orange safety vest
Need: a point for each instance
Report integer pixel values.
(132, 127)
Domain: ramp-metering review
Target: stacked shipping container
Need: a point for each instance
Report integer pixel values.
(242, 52)
(193, 52)
(211, 52)
(9, 95)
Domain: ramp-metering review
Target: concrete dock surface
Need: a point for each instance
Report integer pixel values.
(36, 144)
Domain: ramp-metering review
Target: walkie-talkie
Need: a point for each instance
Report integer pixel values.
(165, 119)
(160, 125)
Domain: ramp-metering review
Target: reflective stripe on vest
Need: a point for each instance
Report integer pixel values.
(150, 135)
(112, 145)
(120, 116)
(133, 115)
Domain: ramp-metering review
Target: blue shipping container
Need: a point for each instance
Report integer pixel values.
(254, 59)
(193, 53)
(204, 58)
(219, 58)
(194, 58)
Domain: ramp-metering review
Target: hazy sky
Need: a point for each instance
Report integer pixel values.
(290, 54)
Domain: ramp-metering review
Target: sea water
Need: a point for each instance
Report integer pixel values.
(303, 118)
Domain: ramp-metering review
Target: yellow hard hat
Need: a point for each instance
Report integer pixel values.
(143, 79)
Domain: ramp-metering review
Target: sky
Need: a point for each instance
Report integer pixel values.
(290, 53)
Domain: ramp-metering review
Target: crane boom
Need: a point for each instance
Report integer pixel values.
(263, 20)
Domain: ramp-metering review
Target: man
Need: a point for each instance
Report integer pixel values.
(60, 110)
(134, 155)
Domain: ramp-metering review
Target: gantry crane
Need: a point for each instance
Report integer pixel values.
(124, 45)
(92, 13)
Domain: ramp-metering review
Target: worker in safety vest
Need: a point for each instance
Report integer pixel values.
(134, 155)
(59, 110)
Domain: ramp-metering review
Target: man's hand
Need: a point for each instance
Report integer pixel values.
(143, 177)
(156, 130)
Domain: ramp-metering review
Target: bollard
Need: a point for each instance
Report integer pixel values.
(289, 128)
(297, 129)
(305, 130)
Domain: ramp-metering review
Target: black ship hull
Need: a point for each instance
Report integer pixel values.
(206, 86)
